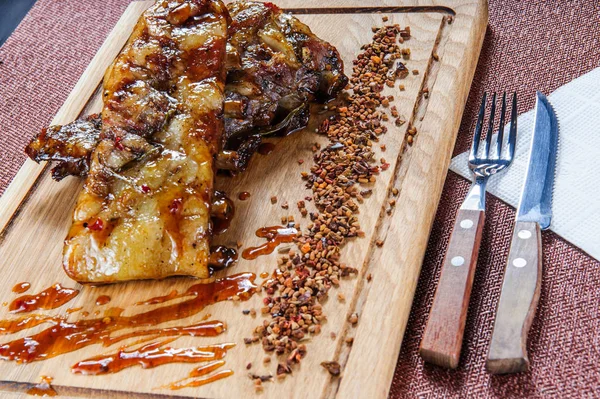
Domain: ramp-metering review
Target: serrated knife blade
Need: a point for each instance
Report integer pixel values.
(535, 204)
(523, 274)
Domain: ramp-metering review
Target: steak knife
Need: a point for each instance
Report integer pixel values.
(523, 273)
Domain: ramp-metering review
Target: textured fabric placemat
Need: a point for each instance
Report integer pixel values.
(529, 45)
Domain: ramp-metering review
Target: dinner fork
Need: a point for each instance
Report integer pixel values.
(443, 335)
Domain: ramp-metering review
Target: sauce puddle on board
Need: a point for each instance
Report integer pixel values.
(160, 299)
(265, 148)
(275, 236)
(150, 356)
(21, 287)
(102, 300)
(244, 195)
(50, 298)
(64, 336)
(193, 381)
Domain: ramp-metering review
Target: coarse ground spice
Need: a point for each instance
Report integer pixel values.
(305, 274)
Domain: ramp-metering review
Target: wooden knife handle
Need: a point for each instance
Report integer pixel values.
(518, 301)
(443, 335)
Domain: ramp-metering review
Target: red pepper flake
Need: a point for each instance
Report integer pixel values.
(175, 206)
(118, 144)
(385, 166)
(145, 188)
(97, 225)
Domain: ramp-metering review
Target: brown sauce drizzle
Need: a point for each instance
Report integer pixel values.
(159, 299)
(200, 372)
(265, 148)
(50, 298)
(102, 300)
(64, 337)
(203, 329)
(221, 257)
(222, 212)
(264, 275)
(275, 235)
(24, 323)
(149, 356)
(44, 388)
(244, 195)
(21, 287)
(73, 310)
(203, 381)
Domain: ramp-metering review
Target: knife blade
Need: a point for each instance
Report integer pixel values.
(535, 204)
(522, 275)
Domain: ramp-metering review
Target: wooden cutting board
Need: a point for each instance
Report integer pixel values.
(35, 213)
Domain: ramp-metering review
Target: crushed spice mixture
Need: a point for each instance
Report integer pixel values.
(305, 274)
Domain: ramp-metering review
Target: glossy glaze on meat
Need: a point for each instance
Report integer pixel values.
(275, 66)
(71, 146)
(150, 160)
(144, 212)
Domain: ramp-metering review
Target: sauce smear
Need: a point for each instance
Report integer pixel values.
(64, 337)
(159, 299)
(50, 298)
(44, 388)
(21, 287)
(102, 300)
(193, 381)
(24, 323)
(244, 195)
(275, 235)
(204, 329)
(265, 148)
(149, 356)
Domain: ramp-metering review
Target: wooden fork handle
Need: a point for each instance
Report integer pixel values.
(443, 335)
(518, 301)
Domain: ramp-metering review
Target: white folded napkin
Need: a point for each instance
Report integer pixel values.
(576, 200)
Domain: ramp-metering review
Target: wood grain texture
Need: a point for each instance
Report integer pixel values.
(443, 335)
(518, 301)
(31, 247)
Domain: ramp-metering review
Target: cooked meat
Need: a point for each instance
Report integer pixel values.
(70, 146)
(275, 65)
(144, 211)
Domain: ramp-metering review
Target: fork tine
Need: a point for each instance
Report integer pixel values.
(500, 139)
(477, 135)
(490, 132)
(512, 137)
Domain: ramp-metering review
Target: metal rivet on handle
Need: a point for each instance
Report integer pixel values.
(466, 224)
(519, 262)
(457, 261)
(524, 234)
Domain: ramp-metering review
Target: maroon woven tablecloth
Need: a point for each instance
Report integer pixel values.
(529, 45)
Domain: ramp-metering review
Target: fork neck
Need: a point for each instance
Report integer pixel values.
(476, 196)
